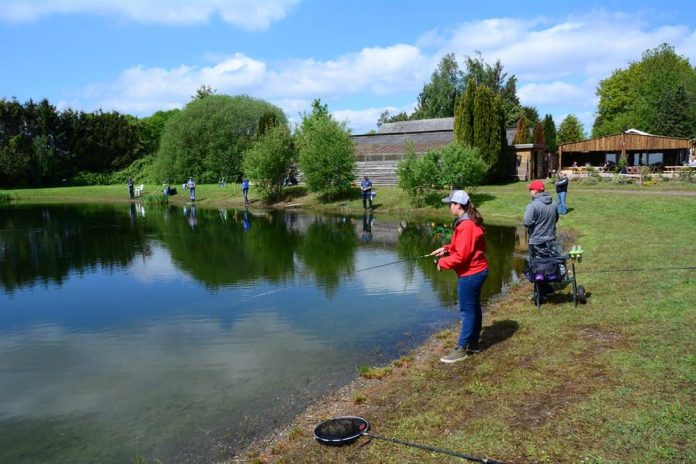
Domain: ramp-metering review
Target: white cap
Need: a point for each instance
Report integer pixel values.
(458, 196)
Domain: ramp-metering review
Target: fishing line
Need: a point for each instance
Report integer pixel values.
(354, 272)
(394, 262)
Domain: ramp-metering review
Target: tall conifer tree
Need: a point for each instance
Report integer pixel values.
(550, 134)
(464, 115)
(489, 130)
(522, 131)
(538, 137)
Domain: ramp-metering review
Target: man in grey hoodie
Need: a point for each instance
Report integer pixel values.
(540, 219)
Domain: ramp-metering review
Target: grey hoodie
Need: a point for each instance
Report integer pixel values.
(540, 218)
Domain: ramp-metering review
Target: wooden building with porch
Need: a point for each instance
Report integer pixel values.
(637, 148)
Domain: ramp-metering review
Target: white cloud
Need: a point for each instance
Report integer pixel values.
(558, 64)
(589, 46)
(554, 92)
(290, 84)
(361, 121)
(247, 14)
(376, 70)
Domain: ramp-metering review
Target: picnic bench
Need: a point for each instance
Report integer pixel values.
(676, 170)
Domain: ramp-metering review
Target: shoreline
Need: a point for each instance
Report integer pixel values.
(341, 402)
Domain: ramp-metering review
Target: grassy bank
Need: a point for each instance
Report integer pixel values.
(609, 382)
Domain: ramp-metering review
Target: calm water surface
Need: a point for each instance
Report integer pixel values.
(181, 334)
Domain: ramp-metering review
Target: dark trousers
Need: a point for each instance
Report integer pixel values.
(131, 191)
(367, 196)
(543, 250)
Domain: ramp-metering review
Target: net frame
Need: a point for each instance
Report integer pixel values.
(341, 430)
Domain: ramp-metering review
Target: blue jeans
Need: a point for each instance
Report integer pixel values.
(245, 192)
(562, 208)
(469, 292)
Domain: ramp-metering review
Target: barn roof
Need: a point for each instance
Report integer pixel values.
(417, 125)
(628, 141)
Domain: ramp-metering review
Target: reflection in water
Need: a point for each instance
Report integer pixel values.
(179, 335)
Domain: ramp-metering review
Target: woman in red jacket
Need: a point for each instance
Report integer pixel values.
(466, 255)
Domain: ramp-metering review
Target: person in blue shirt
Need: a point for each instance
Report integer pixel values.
(366, 187)
(245, 191)
(191, 185)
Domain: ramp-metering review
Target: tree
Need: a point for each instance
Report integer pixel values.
(635, 97)
(532, 114)
(151, 129)
(495, 79)
(672, 113)
(326, 153)
(550, 134)
(269, 160)
(522, 134)
(538, 135)
(267, 121)
(570, 130)
(386, 116)
(208, 138)
(464, 116)
(203, 91)
(489, 131)
(438, 97)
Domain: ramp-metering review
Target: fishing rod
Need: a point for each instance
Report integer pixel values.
(394, 262)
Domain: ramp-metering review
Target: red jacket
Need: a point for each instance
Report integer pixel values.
(467, 251)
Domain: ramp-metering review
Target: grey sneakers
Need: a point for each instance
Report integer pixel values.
(458, 354)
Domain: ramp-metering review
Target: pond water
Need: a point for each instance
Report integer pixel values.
(182, 334)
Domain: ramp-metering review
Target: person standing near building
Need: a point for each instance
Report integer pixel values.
(561, 191)
(191, 185)
(366, 187)
(540, 218)
(245, 190)
(466, 255)
(131, 188)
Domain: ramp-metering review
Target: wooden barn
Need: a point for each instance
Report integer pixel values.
(379, 153)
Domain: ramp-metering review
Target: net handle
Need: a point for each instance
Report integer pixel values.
(432, 448)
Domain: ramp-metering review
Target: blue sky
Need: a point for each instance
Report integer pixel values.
(359, 57)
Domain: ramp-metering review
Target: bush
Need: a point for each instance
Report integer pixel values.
(142, 171)
(454, 166)
(462, 167)
(269, 161)
(91, 178)
(326, 152)
(420, 176)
